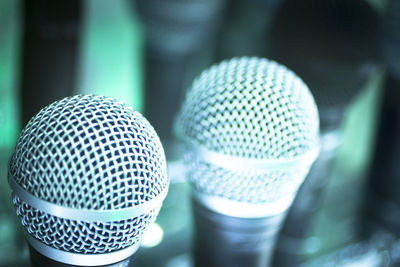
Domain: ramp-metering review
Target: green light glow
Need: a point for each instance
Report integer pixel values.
(9, 29)
(110, 52)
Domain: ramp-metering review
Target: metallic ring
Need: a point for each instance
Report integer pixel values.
(85, 214)
(82, 259)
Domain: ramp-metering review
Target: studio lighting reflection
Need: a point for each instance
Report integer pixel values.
(153, 236)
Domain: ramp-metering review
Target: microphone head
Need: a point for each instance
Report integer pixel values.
(88, 176)
(252, 131)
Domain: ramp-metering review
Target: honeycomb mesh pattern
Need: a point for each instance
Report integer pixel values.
(249, 108)
(248, 186)
(79, 236)
(88, 152)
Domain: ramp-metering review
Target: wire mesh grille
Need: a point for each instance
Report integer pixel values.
(252, 108)
(88, 152)
(79, 236)
(250, 186)
(249, 108)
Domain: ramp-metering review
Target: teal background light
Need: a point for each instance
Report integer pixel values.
(110, 54)
(9, 49)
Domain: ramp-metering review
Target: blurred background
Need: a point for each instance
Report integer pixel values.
(147, 53)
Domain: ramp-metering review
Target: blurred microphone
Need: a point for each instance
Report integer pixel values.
(179, 43)
(245, 28)
(88, 177)
(251, 128)
(331, 44)
(390, 38)
(382, 203)
(50, 44)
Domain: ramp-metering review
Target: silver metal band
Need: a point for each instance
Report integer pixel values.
(82, 259)
(242, 209)
(85, 214)
(238, 163)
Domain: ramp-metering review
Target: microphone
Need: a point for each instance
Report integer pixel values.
(250, 127)
(88, 176)
(382, 196)
(245, 28)
(50, 37)
(331, 45)
(179, 39)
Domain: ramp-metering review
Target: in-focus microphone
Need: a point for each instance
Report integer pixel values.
(88, 177)
(251, 129)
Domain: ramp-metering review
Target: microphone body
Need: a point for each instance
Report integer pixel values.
(292, 237)
(222, 240)
(88, 177)
(245, 28)
(250, 127)
(37, 260)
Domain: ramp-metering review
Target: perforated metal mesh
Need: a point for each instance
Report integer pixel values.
(79, 236)
(249, 108)
(88, 152)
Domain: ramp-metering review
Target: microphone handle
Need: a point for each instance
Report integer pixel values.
(39, 260)
(225, 241)
(290, 249)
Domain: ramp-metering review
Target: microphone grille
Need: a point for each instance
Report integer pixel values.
(250, 108)
(81, 236)
(90, 152)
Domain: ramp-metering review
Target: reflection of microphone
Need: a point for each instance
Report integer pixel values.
(251, 128)
(88, 177)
